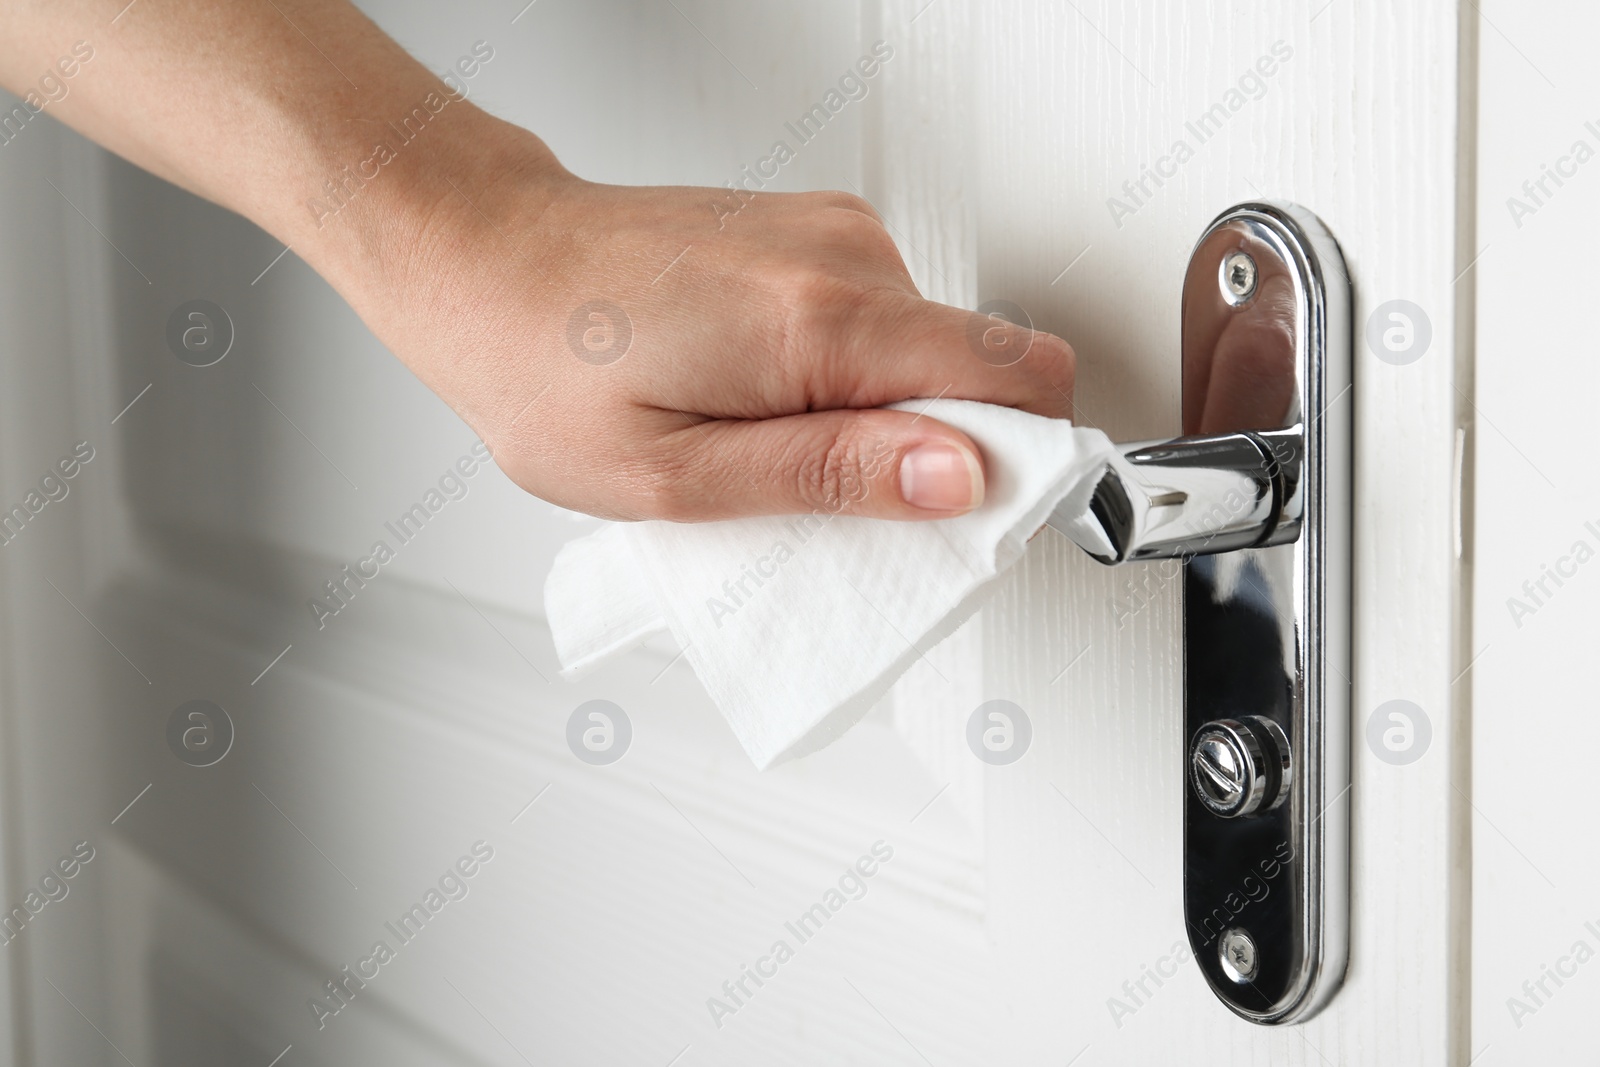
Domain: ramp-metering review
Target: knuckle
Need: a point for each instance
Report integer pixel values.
(1054, 357)
(1055, 364)
(663, 500)
(836, 477)
(659, 485)
(817, 307)
(858, 205)
(856, 231)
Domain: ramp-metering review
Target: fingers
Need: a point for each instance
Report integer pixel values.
(882, 464)
(980, 356)
(858, 315)
(884, 346)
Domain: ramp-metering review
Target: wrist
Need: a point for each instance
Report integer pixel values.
(385, 216)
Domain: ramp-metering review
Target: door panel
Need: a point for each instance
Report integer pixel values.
(1535, 925)
(1063, 104)
(374, 751)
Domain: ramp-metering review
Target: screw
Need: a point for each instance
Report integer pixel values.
(1238, 276)
(1219, 771)
(1237, 952)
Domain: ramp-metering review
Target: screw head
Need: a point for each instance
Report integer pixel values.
(1236, 951)
(1238, 277)
(1220, 769)
(1240, 766)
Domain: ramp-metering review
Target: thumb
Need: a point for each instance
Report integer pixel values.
(877, 463)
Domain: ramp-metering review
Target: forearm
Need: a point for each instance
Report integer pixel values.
(674, 352)
(301, 115)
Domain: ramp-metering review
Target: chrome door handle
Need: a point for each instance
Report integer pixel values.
(1192, 496)
(1255, 504)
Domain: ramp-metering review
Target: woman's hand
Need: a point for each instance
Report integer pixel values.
(693, 353)
(635, 353)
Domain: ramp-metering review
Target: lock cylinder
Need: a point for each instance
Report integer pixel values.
(1242, 766)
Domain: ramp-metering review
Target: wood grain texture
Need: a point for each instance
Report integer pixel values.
(378, 748)
(1068, 102)
(1021, 898)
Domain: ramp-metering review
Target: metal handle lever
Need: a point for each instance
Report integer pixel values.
(1191, 496)
(1264, 479)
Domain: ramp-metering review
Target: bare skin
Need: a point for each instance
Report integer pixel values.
(553, 314)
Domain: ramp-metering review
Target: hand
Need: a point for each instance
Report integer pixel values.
(672, 353)
(692, 354)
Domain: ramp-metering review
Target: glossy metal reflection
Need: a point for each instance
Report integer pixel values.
(1256, 502)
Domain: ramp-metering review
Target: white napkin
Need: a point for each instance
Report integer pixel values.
(796, 625)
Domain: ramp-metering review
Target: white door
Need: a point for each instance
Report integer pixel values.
(1536, 517)
(1059, 155)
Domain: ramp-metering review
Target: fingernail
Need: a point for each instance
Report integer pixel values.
(941, 477)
